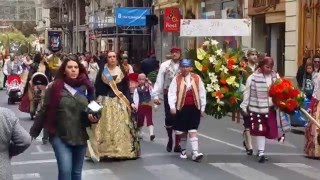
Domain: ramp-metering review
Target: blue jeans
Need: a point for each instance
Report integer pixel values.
(69, 159)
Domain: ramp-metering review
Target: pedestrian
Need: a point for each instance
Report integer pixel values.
(62, 115)
(39, 65)
(301, 71)
(143, 103)
(125, 65)
(312, 135)
(115, 135)
(14, 140)
(258, 106)
(252, 57)
(54, 62)
(93, 68)
(187, 100)
(12, 67)
(316, 63)
(308, 78)
(168, 70)
(2, 62)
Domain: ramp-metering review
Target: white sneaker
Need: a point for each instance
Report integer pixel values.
(197, 157)
(183, 155)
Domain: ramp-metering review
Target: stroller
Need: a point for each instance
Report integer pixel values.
(39, 82)
(14, 88)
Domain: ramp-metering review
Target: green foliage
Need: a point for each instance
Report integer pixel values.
(153, 76)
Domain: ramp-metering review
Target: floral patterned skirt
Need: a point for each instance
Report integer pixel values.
(115, 135)
(312, 147)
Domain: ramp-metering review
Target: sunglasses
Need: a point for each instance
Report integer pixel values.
(316, 62)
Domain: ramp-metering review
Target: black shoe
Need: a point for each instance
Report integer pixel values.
(249, 151)
(262, 159)
(152, 137)
(169, 146)
(177, 149)
(45, 141)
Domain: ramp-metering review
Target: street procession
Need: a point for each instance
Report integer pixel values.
(160, 90)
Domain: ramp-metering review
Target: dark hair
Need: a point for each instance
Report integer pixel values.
(264, 61)
(37, 58)
(308, 64)
(95, 58)
(315, 56)
(61, 72)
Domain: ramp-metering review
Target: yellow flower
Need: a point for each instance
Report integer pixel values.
(231, 80)
(198, 65)
(201, 54)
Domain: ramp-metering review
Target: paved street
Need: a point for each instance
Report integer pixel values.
(220, 141)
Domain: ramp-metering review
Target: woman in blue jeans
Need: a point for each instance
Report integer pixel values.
(62, 116)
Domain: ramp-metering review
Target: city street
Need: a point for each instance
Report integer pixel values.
(220, 141)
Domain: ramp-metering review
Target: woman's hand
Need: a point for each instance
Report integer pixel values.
(134, 107)
(92, 118)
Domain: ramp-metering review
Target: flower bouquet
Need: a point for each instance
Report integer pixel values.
(286, 96)
(223, 74)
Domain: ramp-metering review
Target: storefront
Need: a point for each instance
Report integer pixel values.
(268, 29)
(309, 29)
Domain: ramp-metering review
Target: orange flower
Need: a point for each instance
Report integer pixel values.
(286, 83)
(243, 64)
(224, 89)
(233, 100)
(204, 68)
(219, 94)
(223, 81)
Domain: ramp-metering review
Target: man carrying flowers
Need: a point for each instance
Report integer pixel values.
(168, 70)
(250, 66)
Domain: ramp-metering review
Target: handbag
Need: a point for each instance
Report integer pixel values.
(24, 105)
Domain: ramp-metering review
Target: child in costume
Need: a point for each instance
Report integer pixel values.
(142, 100)
(187, 101)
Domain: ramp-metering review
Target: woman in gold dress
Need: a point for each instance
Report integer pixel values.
(115, 136)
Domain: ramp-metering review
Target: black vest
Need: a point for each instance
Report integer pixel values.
(144, 94)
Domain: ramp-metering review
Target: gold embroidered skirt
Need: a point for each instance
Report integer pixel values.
(115, 135)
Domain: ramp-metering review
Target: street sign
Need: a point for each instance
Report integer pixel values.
(131, 16)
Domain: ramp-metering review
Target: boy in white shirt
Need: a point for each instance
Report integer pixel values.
(187, 101)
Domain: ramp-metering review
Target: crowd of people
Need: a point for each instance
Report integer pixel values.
(114, 131)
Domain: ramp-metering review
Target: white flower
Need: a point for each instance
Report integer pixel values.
(213, 59)
(219, 52)
(209, 87)
(224, 69)
(206, 43)
(220, 102)
(213, 77)
(214, 42)
(216, 87)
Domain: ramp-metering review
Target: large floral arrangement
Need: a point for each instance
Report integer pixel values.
(223, 74)
(285, 96)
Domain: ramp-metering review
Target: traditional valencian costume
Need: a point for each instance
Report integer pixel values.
(187, 97)
(168, 70)
(258, 105)
(115, 136)
(142, 99)
(312, 134)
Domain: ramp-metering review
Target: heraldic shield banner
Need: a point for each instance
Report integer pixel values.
(54, 41)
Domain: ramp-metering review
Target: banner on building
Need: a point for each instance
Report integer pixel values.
(171, 20)
(54, 41)
(215, 27)
(131, 16)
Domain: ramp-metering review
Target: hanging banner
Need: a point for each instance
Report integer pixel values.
(131, 16)
(54, 41)
(215, 27)
(171, 20)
